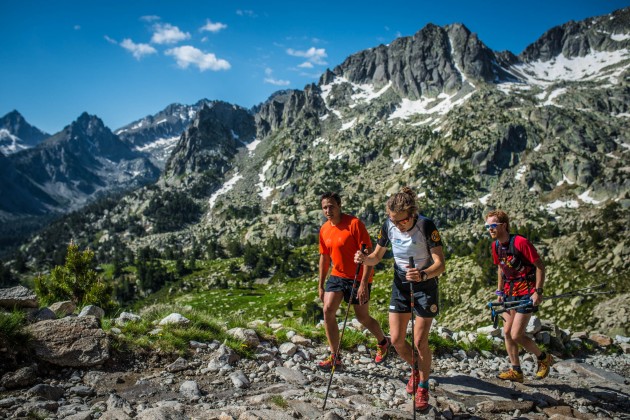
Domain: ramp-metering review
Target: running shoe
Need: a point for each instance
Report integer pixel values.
(422, 399)
(327, 363)
(382, 351)
(409, 387)
(511, 375)
(544, 366)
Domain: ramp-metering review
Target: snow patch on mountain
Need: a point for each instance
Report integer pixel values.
(265, 192)
(586, 197)
(620, 37)
(597, 65)
(366, 93)
(10, 143)
(550, 96)
(560, 204)
(251, 147)
(440, 105)
(167, 144)
(227, 186)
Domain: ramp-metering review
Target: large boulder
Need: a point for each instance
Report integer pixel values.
(64, 308)
(18, 296)
(248, 336)
(20, 378)
(70, 341)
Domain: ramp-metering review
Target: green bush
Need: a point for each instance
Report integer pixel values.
(76, 280)
(440, 345)
(11, 331)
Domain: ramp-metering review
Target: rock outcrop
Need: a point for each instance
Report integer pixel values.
(70, 341)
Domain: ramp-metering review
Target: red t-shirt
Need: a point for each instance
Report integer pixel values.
(503, 259)
(341, 242)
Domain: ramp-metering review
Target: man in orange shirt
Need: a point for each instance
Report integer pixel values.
(339, 239)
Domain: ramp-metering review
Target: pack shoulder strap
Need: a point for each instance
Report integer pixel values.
(516, 252)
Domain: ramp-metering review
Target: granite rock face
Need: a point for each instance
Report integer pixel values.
(18, 297)
(70, 341)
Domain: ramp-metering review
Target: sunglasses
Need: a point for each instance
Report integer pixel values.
(400, 221)
(493, 225)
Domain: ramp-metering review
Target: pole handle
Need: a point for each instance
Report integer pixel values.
(363, 248)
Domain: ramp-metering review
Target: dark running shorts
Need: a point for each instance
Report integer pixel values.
(339, 284)
(425, 297)
(529, 309)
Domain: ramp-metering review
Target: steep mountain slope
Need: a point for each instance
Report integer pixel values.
(67, 170)
(543, 135)
(16, 134)
(156, 135)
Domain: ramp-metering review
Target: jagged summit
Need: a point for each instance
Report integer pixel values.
(69, 169)
(211, 140)
(17, 134)
(434, 60)
(156, 135)
(578, 39)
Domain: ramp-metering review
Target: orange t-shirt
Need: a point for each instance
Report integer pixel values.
(341, 242)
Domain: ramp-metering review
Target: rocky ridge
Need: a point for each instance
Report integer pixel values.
(158, 134)
(68, 169)
(17, 134)
(470, 129)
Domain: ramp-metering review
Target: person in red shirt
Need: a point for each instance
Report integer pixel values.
(339, 239)
(521, 276)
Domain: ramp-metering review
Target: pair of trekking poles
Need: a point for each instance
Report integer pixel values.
(413, 350)
(508, 306)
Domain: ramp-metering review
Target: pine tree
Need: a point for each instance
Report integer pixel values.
(76, 280)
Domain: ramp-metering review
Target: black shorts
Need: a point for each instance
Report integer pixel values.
(529, 309)
(339, 284)
(425, 295)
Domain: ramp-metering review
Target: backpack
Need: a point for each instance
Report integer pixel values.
(518, 262)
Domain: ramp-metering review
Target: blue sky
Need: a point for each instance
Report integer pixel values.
(124, 59)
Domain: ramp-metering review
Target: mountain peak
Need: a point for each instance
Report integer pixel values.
(434, 60)
(577, 39)
(16, 134)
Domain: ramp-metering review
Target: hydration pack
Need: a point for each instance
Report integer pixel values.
(516, 261)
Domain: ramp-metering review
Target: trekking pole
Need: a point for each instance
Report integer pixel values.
(336, 354)
(413, 344)
(508, 306)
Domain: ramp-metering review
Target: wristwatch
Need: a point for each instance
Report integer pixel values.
(423, 276)
(539, 290)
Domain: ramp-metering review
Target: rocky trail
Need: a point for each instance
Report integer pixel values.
(284, 383)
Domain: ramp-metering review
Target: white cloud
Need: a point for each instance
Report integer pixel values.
(187, 55)
(167, 34)
(138, 50)
(310, 75)
(277, 82)
(111, 40)
(249, 13)
(213, 26)
(306, 65)
(314, 55)
(272, 81)
(149, 18)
